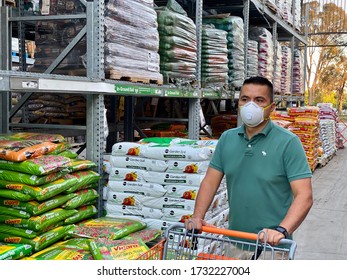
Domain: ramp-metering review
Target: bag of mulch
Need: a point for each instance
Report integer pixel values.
(84, 212)
(24, 149)
(33, 180)
(81, 198)
(14, 195)
(11, 251)
(105, 249)
(105, 227)
(84, 178)
(73, 249)
(39, 223)
(42, 165)
(80, 164)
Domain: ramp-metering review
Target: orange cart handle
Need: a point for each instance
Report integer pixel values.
(229, 232)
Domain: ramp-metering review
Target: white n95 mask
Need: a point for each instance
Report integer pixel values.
(252, 114)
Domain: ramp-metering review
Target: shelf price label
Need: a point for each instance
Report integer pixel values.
(137, 90)
(211, 94)
(173, 93)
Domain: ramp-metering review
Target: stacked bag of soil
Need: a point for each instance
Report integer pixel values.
(265, 51)
(177, 49)
(56, 109)
(233, 25)
(286, 69)
(214, 57)
(52, 37)
(132, 41)
(44, 189)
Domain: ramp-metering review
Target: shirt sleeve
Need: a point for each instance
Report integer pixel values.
(295, 161)
(216, 161)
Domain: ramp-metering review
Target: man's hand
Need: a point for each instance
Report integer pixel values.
(272, 236)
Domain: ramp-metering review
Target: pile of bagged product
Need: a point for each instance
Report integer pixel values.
(48, 199)
(156, 180)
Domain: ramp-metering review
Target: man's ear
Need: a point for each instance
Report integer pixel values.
(273, 106)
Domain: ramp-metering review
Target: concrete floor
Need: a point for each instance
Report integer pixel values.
(323, 234)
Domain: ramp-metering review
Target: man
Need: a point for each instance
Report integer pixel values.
(267, 173)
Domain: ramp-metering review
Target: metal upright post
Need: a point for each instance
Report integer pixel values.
(5, 64)
(194, 103)
(95, 102)
(245, 32)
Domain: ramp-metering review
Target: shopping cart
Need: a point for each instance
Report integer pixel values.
(218, 244)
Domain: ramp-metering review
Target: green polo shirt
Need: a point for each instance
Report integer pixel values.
(258, 174)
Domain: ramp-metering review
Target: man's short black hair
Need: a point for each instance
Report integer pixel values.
(258, 80)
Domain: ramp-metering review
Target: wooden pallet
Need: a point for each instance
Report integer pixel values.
(117, 75)
(11, 3)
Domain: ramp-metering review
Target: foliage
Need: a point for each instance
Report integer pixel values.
(326, 55)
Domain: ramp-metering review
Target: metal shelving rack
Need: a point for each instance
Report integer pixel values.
(94, 85)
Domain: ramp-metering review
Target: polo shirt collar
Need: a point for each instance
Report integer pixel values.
(266, 130)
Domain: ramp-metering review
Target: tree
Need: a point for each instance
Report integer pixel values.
(326, 52)
(335, 75)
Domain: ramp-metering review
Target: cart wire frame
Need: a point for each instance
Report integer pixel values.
(215, 243)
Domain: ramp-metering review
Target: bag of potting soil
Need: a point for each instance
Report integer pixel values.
(105, 227)
(80, 164)
(146, 235)
(73, 249)
(37, 208)
(105, 249)
(81, 198)
(14, 212)
(67, 153)
(39, 223)
(43, 137)
(11, 251)
(33, 180)
(43, 192)
(24, 149)
(84, 178)
(42, 165)
(84, 213)
(39, 242)
(26, 233)
(14, 195)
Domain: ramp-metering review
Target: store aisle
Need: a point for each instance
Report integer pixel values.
(323, 235)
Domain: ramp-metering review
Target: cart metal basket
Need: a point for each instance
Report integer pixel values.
(219, 244)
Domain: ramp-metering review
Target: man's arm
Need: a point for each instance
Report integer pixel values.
(301, 205)
(206, 193)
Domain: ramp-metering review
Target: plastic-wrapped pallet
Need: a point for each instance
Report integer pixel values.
(328, 120)
(306, 127)
(235, 35)
(286, 69)
(298, 72)
(278, 68)
(266, 51)
(252, 58)
(285, 7)
(178, 45)
(51, 37)
(214, 57)
(132, 41)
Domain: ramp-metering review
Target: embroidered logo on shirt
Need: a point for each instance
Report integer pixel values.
(264, 153)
